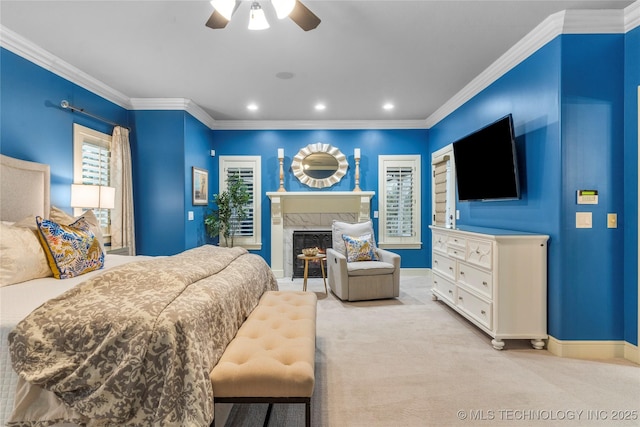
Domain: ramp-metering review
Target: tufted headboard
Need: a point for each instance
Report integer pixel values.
(24, 189)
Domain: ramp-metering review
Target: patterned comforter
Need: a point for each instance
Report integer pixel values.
(135, 345)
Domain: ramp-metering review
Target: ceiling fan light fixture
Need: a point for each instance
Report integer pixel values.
(257, 20)
(224, 7)
(283, 7)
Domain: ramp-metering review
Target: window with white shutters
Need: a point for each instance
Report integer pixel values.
(399, 219)
(246, 168)
(443, 188)
(92, 155)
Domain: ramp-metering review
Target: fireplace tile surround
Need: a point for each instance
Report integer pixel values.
(313, 210)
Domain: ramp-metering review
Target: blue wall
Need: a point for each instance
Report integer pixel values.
(371, 143)
(591, 299)
(567, 104)
(630, 218)
(165, 146)
(34, 126)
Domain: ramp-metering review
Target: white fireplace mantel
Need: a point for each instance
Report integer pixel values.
(300, 202)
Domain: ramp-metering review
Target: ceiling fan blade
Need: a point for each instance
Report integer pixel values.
(216, 20)
(302, 16)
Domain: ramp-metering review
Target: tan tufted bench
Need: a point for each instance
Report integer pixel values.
(272, 357)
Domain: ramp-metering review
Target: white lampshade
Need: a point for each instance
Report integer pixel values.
(283, 7)
(224, 7)
(92, 196)
(257, 20)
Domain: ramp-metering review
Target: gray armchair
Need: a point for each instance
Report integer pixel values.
(361, 280)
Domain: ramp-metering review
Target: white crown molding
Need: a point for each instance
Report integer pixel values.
(39, 56)
(632, 16)
(174, 104)
(565, 22)
(317, 124)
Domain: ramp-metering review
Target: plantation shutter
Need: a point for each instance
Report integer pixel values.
(96, 171)
(440, 191)
(244, 228)
(399, 201)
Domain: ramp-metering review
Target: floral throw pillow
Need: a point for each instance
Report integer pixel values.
(360, 248)
(72, 249)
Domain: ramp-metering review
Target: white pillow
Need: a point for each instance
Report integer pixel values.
(21, 255)
(338, 228)
(61, 217)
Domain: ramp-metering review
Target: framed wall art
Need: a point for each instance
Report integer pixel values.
(200, 186)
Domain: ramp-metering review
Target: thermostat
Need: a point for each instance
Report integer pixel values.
(587, 197)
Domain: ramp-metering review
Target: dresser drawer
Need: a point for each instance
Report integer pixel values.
(445, 288)
(475, 278)
(480, 253)
(457, 241)
(439, 242)
(444, 266)
(456, 252)
(475, 307)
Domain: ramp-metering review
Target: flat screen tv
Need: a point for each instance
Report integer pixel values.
(486, 163)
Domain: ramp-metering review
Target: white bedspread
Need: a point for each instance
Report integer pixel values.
(16, 302)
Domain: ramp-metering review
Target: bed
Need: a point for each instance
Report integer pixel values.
(129, 344)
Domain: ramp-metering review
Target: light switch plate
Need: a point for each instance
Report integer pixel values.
(190, 215)
(583, 220)
(612, 220)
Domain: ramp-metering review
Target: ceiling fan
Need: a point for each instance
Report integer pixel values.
(294, 9)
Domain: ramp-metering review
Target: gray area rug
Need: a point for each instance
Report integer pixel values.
(412, 361)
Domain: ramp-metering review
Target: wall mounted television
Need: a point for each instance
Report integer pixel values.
(486, 163)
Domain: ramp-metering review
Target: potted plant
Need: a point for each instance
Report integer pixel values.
(231, 210)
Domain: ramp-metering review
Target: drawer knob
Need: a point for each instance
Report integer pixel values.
(450, 291)
(462, 272)
(484, 283)
(450, 268)
(460, 298)
(477, 251)
(483, 312)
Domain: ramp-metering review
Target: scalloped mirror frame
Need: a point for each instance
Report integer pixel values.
(298, 171)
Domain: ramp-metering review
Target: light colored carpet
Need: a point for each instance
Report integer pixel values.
(412, 361)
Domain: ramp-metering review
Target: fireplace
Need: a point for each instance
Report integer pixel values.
(320, 239)
(309, 210)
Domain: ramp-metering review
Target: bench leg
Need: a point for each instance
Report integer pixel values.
(268, 416)
(307, 411)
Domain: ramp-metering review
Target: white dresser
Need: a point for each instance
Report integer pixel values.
(495, 278)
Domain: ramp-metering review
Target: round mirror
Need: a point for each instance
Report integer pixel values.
(319, 165)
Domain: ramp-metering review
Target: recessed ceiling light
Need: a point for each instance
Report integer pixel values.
(320, 106)
(388, 106)
(252, 107)
(285, 75)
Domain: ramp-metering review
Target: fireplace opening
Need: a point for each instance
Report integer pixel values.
(320, 239)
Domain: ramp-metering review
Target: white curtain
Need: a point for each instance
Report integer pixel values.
(122, 226)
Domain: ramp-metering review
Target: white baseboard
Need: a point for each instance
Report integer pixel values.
(414, 271)
(632, 352)
(593, 349)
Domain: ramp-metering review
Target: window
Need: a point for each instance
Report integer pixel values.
(248, 169)
(91, 165)
(443, 187)
(399, 191)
